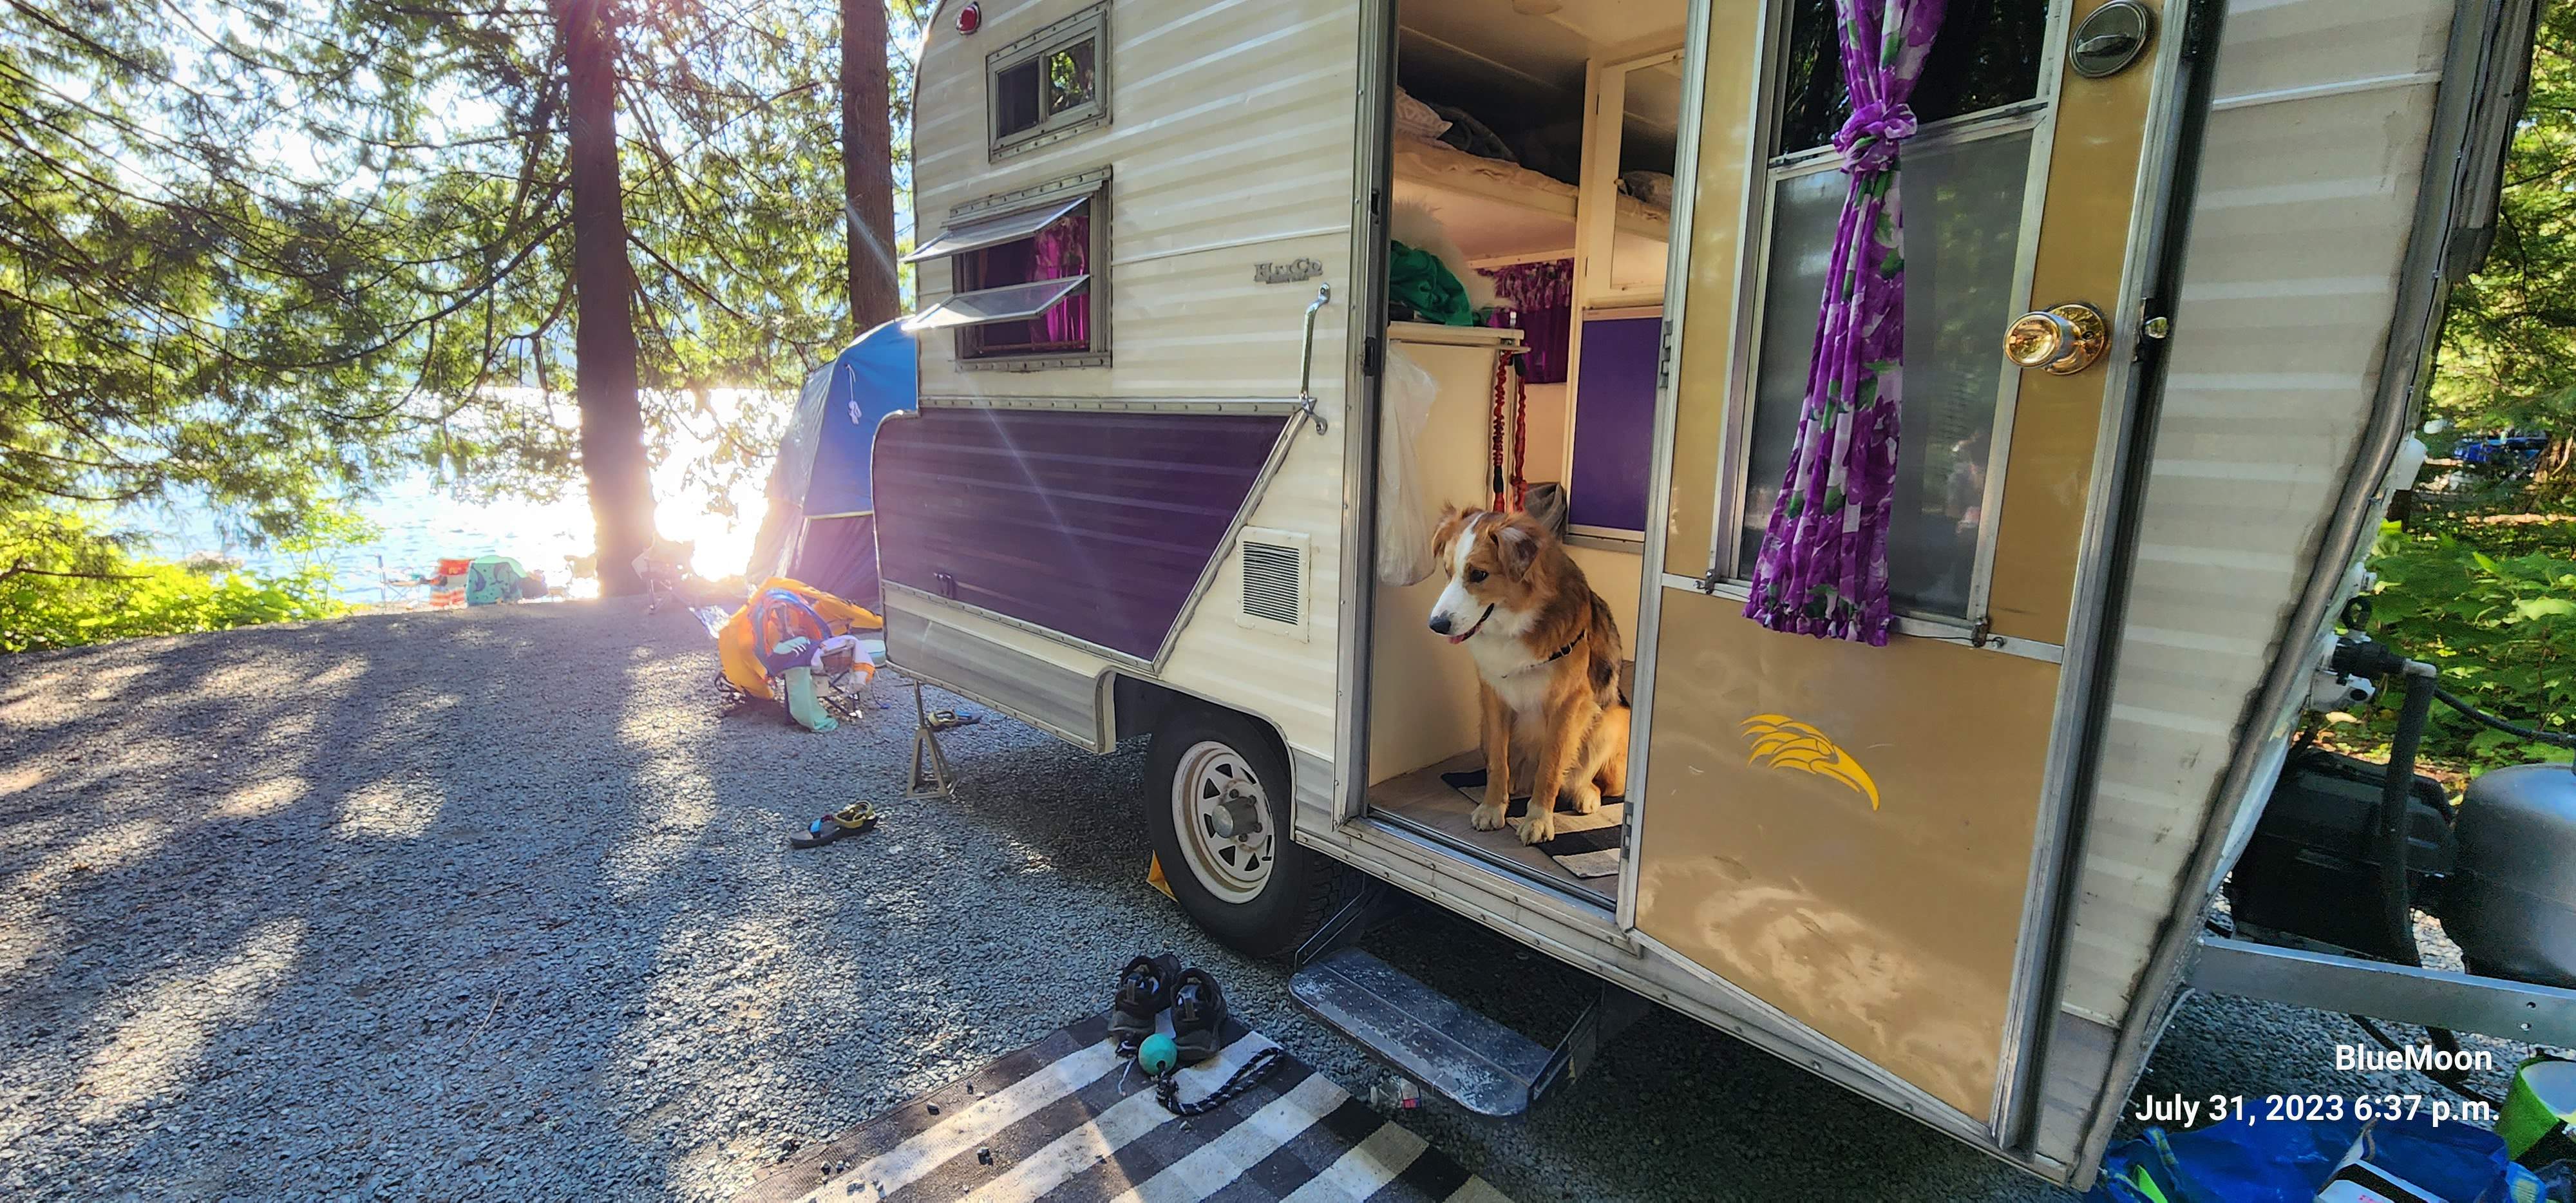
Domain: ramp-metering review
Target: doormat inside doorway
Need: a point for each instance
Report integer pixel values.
(1586, 846)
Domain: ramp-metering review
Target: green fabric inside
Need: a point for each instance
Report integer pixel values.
(1421, 281)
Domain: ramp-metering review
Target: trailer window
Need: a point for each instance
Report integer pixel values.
(1986, 57)
(1966, 179)
(1050, 85)
(1021, 277)
(1052, 268)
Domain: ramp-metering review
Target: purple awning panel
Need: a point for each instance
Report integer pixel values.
(1093, 525)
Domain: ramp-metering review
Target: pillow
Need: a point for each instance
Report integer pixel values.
(1416, 118)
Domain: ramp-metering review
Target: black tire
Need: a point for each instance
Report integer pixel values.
(1302, 885)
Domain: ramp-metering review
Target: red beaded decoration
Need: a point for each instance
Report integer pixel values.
(1508, 485)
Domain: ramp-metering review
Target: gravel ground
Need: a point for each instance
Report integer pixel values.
(492, 902)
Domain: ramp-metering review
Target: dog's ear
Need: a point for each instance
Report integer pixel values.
(1518, 540)
(1450, 523)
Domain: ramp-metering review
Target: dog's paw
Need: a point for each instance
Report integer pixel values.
(1539, 826)
(1487, 817)
(1586, 797)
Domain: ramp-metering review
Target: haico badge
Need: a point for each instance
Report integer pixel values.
(1785, 743)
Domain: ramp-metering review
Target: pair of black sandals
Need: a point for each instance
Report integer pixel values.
(1149, 986)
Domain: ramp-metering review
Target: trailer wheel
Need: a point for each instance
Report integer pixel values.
(1217, 802)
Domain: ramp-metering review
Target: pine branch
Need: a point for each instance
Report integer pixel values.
(26, 567)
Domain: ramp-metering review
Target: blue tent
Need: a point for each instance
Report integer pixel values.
(821, 527)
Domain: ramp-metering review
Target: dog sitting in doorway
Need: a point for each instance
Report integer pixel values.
(1547, 660)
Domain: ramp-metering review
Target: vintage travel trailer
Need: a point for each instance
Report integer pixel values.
(1185, 414)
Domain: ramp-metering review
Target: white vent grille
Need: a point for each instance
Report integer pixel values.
(1274, 581)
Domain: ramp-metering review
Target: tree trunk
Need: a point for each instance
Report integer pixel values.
(867, 165)
(604, 373)
(2553, 479)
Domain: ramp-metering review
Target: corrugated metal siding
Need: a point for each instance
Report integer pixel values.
(1290, 682)
(1230, 144)
(1055, 687)
(2307, 194)
(1232, 140)
(1097, 525)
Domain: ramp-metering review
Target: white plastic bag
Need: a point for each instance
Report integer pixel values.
(1403, 523)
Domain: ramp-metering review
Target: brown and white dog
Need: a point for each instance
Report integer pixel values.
(1547, 657)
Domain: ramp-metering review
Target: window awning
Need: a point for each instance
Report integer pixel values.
(1009, 303)
(980, 232)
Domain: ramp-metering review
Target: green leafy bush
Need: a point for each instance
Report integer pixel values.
(2502, 629)
(2501, 519)
(63, 584)
(152, 599)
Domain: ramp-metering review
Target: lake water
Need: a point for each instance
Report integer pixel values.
(421, 524)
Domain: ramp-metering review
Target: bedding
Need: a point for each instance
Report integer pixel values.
(1436, 163)
(1473, 136)
(1415, 119)
(1652, 187)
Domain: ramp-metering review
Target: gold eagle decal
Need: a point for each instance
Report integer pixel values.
(1785, 743)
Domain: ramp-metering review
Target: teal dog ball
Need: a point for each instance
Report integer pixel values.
(1158, 1055)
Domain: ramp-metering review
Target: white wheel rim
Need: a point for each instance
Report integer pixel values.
(1232, 867)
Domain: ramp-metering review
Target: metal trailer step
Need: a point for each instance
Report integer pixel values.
(1460, 1055)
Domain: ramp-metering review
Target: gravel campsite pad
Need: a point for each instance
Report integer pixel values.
(493, 903)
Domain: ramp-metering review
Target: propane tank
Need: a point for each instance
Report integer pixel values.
(2511, 900)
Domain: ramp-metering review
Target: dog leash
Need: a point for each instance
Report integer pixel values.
(1167, 1088)
(1494, 437)
(1520, 442)
(1511, 486)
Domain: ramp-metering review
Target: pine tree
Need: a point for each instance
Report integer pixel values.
(265, 252)
(2508, 355)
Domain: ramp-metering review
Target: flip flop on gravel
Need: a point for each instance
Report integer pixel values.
(849, 820)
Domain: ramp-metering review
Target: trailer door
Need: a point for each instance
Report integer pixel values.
(1857, 845)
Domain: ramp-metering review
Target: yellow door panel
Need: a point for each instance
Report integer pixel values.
(1844, 831)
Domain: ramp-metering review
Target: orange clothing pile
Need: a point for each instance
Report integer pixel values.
(734, 644)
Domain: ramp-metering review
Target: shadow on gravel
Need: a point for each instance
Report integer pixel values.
(493, 903)
(320, 910)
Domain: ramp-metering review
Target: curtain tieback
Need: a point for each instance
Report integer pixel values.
(1868, 141)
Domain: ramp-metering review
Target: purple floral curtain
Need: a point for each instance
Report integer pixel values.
(1823, 565)
(1061, 249)
(1542, 300)
(1064, 249)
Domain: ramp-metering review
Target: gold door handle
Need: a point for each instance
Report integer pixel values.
(2061, 341)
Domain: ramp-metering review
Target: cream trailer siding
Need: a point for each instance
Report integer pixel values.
(2311, 276)
(1229, 144)
(1228, 147)
(2313, 161)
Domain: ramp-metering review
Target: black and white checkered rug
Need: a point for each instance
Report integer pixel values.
(1067, 1119)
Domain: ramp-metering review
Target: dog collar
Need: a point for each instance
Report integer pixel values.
(1561, 653)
